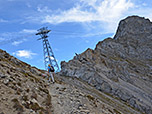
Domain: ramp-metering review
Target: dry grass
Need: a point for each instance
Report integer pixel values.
(90, 97)
(44, 90)
(17, 105)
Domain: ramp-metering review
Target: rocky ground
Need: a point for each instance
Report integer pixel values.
(22, 90)
(25, 90)
(73, 96)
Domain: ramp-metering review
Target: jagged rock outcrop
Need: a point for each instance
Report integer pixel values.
(24, 90)
(120, 66)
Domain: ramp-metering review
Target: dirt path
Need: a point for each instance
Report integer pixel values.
(72, 96)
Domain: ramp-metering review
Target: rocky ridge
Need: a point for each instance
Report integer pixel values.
(24, 90)
(121, 66)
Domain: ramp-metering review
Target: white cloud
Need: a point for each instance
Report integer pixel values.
(144, 4)
(52, 58)
(24, 53)
(142, 11)
(92, 34)
(44, 9)
(28, 31)
(97, 14)
(72, 15)
(16, 43)
(88, 11)
(98, 10)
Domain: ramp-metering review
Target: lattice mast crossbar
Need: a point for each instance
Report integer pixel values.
(49, 57)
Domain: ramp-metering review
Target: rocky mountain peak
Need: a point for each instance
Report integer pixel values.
(133, 26)
(120, 66)
(132, 39)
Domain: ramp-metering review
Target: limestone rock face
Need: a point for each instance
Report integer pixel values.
(120, 66)
(136, 34)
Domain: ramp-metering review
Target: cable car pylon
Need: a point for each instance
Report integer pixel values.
(49, 57)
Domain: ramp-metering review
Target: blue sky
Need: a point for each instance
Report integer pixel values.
(76, 25)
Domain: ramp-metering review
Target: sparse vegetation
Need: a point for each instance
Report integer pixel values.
(104, 62)
(17, 105)
(48, 100)
(19, 84)
(116, 58)
(27, 90)
(44, 90)
(90, 97)
(116, 111)
(35, 106)
(25, 97)
(34, 96)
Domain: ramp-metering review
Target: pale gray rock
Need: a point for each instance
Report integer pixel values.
(120, 66)
(2, 75)
(6, 81)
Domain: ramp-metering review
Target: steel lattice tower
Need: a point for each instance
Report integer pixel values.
(49, 57)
